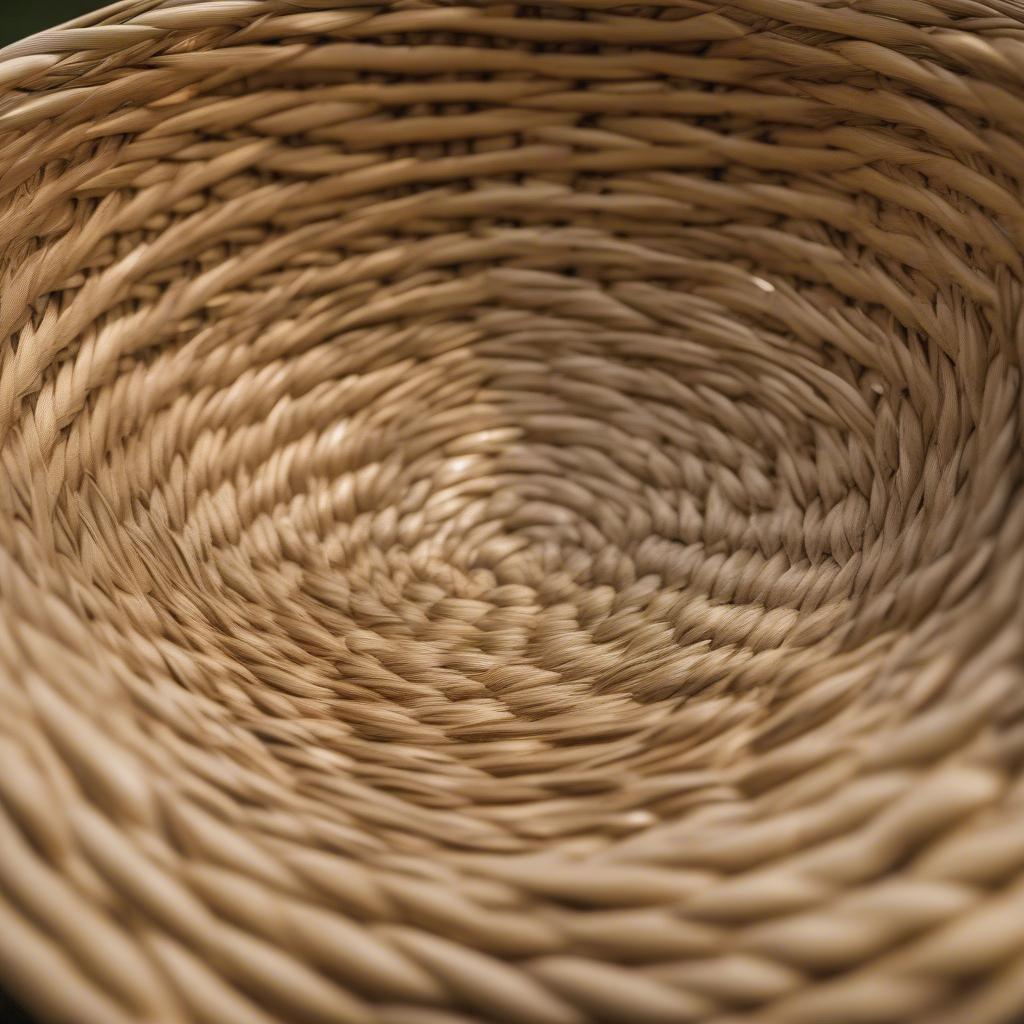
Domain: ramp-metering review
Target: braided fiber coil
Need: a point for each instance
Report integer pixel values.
(513, 513)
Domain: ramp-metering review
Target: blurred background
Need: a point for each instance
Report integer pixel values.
(22, 17)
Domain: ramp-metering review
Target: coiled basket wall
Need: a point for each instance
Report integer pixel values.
(513, 513)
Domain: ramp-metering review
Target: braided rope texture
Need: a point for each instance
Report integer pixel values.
(513, 513)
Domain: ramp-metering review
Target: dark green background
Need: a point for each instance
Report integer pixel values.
(20, 18)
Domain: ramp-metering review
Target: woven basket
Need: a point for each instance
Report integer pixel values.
(513, 513)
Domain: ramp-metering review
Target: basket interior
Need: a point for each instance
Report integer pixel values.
(513, 510)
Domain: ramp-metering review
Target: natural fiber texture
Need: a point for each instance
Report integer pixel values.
(513, 513)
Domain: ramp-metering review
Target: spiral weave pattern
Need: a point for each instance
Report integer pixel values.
(513, 513)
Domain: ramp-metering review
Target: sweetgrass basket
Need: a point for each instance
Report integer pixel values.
(513, 513)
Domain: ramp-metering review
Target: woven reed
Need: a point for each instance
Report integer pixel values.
(513, 514)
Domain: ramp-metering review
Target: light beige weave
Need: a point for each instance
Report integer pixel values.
(513, 513)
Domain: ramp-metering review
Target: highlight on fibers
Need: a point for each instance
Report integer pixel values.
(513, 513)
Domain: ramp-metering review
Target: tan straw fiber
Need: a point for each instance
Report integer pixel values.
(513, 513)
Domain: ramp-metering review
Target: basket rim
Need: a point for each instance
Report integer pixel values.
(108, 28)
